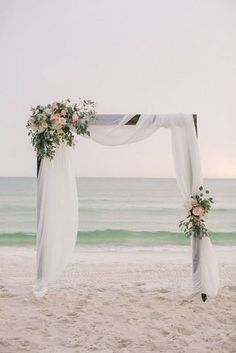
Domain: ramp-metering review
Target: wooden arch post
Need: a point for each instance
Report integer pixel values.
(135, 118)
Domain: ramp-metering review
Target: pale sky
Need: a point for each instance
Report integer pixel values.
(129, 56)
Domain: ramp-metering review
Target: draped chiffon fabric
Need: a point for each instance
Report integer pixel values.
(57, 217)
(58, 204)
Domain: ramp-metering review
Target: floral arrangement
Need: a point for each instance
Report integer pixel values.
(57, 123)
(197, 209)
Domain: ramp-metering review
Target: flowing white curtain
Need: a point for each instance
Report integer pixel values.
(189, 178)
(57, 217)
(57, 204)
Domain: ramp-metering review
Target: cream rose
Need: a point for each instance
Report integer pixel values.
(62, 121)
(45, 125)
(33, 126)
(188, 205)
(198, 211)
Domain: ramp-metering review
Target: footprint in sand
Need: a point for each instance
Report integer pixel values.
(3, 289)
(123, 343)
(232, 288)
(163, 290)
(3, 343)
(138, 284)
(164, 332)
(184, 331)
(63, 320)
(6, 294)
(24, 343)
(160, 298)
(72, 313)
(132, 300)
(186, 301)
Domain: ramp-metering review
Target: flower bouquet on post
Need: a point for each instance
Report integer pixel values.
(57, 123)
(197, 208)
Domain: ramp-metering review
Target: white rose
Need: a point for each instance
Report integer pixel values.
(62, 121)
(48, 111)
(188, 205)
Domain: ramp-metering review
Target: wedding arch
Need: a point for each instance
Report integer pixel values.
(57, 204)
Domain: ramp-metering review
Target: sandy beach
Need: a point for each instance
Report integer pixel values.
(116, 299)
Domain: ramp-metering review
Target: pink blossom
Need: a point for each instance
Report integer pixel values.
(63, 113)
(75, 117)
(54, 105)
(198, 211)
(56, 118)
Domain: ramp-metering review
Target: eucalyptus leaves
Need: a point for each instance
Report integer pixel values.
(197, 209)
(57, 123)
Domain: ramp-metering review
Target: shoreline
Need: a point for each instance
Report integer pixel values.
(117, 237)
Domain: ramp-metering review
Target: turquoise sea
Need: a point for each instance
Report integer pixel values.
(122, 211)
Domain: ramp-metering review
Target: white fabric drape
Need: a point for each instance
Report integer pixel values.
(57, 217)
(189, 178)
(57, 205)
(188, 174)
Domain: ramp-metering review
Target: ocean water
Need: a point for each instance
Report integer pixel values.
(119, 211)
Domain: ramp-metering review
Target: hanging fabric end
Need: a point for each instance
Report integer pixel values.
(40, 291)
(204, 297)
